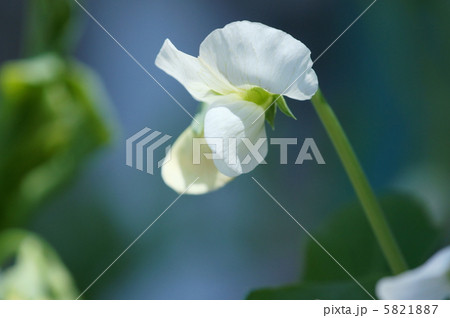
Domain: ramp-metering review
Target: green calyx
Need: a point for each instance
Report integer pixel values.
(270, 102)
(259, 96)
(283, 106)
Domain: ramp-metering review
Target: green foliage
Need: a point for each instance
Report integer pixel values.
(316, 290)
(52, 116)
(31, 269)
(50, 119)
(349, 238)
(50, 26)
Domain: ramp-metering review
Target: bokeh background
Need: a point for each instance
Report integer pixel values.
(387, 79)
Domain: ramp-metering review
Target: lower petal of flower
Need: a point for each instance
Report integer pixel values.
(180, 170)
(235, 130)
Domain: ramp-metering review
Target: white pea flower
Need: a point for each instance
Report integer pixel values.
(241, 70)
(426, 282)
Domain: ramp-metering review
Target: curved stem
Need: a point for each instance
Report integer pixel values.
(360, 183)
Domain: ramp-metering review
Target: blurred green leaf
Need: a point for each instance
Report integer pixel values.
(317, 290)
(35, 270)
(51, 116)
(50, 26)
(349, 238)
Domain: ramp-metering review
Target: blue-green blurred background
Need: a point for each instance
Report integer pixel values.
(387, 78)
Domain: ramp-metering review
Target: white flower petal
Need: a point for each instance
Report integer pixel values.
(200, 81)
(253, 54)
(231, 120)
(179, 172)
(429, 281)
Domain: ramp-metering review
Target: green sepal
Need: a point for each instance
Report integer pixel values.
(281, 103)
(270, 115)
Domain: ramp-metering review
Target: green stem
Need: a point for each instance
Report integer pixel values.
(360, 183)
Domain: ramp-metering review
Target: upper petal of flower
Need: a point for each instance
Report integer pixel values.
(229, 121)
(429, 281)
(253, 54)
(180, 171)
(201, 81)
